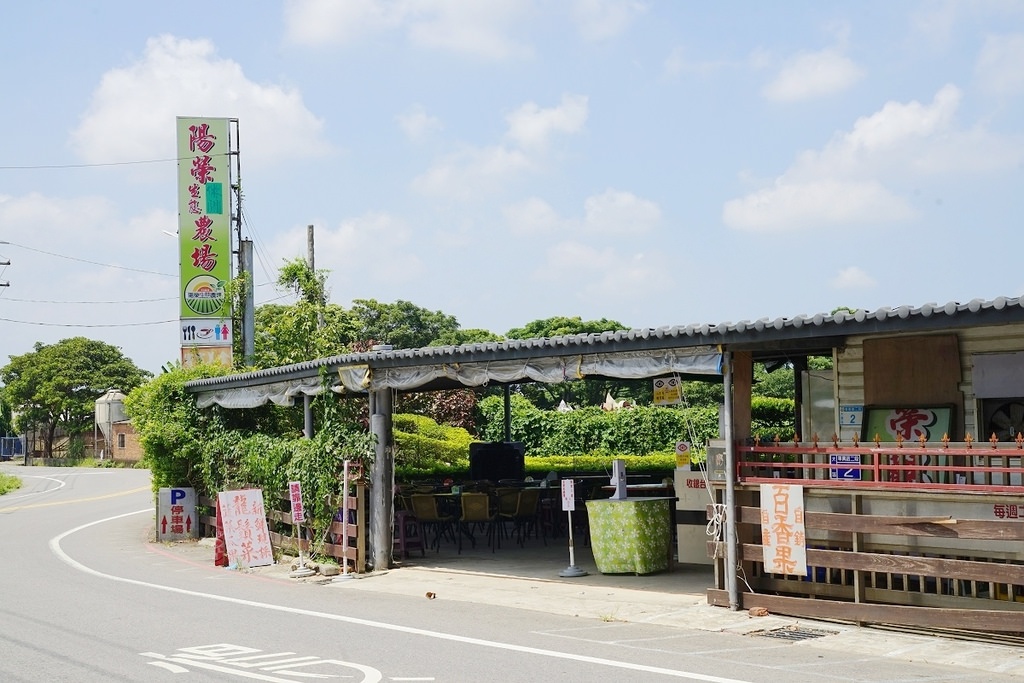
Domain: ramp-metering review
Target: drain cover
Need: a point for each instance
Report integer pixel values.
(794, 633)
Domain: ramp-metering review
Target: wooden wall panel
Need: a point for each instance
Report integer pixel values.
(914, 372)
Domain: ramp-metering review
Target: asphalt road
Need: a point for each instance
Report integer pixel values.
(86, 596)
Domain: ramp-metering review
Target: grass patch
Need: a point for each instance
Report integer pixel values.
(9, 483)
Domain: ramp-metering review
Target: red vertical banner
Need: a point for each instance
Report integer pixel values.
(220, 547)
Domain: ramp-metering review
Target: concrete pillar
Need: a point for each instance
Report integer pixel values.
(307, 416)
(731, 550)
(382, 481)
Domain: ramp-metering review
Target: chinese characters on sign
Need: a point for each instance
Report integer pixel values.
(667, 391)
(295, 495)
(245, 528)
(204, 237)
(176, 514)
(1008, 511)
(910, 423)
(568, 495)
(782, 529)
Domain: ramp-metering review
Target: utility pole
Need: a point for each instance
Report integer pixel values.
(311, 260)
(246, 268)
(307, 404)
(249, 303)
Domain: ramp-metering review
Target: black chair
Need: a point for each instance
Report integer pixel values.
(526, 518)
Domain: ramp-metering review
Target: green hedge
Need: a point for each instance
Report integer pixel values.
(422, 446)
(634, 431)
(426, 450)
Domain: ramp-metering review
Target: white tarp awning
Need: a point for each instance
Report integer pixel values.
(553, 370)
(281, 393)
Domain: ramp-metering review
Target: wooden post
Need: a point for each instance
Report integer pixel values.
(742, 385)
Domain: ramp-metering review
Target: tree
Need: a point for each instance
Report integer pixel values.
(587, 392)
(560, 326)
(6, 418)
(295, 334)
(308, 329)
(467, 336)
(55, 386)
(402, 324)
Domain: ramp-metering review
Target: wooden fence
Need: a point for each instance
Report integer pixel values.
(905, 533)
(287, 537)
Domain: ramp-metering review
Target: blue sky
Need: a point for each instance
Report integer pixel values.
(652, 162)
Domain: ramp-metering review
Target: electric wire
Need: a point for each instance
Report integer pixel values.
(82, 260)
(42, 324)
(86, 303)
(41, 167)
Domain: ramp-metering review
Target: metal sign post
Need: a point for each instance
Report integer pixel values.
(569, 504)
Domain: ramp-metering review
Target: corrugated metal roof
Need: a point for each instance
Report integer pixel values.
(797, 333)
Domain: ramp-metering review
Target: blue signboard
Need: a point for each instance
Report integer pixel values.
(844, 466)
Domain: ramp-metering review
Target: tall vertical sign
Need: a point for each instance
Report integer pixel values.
(204, 239)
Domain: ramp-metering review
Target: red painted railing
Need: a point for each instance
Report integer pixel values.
(996, 467)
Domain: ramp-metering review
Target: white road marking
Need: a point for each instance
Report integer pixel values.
(173, 668)
(439, 635)
(34, 493)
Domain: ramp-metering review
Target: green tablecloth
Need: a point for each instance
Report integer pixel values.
(632, 536)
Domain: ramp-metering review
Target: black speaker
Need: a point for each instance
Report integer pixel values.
(497, 460)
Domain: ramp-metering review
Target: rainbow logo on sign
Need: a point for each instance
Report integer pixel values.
(204, 294)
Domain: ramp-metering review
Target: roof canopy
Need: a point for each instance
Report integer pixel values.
(691, 351)
(360, 378)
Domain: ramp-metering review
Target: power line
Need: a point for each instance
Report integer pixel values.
(42, 167)
(47, 301)
(82, 260)
(28, 322)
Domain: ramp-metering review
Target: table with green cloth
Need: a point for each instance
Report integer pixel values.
(631, 536)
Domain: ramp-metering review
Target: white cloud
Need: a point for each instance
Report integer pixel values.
(853, 277)
(897, 122)
(789, 206)
(534, 216)
(473, 171)
(86, 251)
(531, 126)
(999, 66)
(846, 182)
(813, 74)
(344, 250)
(611, 213)
(603, 274)
(614, 212)
(603, 19)
(149, 228)
(677, 64)
(132, 112)
(469, 172)
(417, 124)
(471, 27)
(935, 22)
(62, 221)
(322, 22)
(463, 26)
